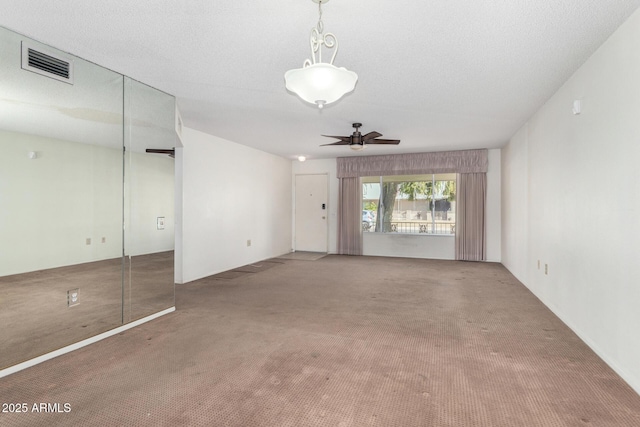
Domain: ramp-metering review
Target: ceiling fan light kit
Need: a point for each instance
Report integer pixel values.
(318, 82)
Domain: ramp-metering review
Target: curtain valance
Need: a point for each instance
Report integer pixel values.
(465, 161)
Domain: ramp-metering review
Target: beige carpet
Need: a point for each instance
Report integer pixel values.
(342, 341)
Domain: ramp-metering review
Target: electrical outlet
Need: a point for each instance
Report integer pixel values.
(104, 239)
(88, 240)
(73, 297)
(546, 269)
(249, 242)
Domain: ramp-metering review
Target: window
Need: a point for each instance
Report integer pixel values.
(409, 204)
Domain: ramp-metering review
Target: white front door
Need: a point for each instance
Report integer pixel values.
(311, 213)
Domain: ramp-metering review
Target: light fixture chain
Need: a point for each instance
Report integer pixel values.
(320, 24)
(317, 37)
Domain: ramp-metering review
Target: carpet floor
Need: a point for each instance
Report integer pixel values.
(340, 341)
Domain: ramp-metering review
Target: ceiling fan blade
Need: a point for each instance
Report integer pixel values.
(341, 138)
(337, 143)
(356, 139)
(371, 135)
(384, 141)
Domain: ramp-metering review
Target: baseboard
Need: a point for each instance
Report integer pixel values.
(48, 356)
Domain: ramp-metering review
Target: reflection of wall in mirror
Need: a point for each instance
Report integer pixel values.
(151, 185)
(70, 194)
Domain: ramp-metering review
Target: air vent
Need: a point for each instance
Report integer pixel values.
(47, 63)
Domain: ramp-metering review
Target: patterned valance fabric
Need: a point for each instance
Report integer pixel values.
(466, 161)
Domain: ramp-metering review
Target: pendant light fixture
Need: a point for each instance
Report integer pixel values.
(320, 82)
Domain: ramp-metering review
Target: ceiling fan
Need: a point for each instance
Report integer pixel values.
(357, 141)
(171, 152)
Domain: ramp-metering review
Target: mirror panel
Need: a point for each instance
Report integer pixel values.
(61, 195)
(149, 201)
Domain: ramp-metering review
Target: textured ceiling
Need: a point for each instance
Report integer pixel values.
(439, 74)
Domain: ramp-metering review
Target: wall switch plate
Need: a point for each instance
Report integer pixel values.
(73, 297)
(538, 264)
(104, 239)
(546, 269)
(248, 242)
(88, 240)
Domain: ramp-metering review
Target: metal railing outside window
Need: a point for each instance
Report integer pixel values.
(418, 227)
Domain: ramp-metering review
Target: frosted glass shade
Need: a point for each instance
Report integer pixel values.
(320, 83)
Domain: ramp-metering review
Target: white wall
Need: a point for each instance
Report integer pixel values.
(515, 202)
(231, 193)
(493, 208)
(435, 247)
(572, 200)
(409, 246)
(179, 206)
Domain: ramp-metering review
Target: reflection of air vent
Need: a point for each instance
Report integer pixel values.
(47, 64)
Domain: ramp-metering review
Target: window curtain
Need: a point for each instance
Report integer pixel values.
(350, 216)
(472, 163)
(470, 221)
